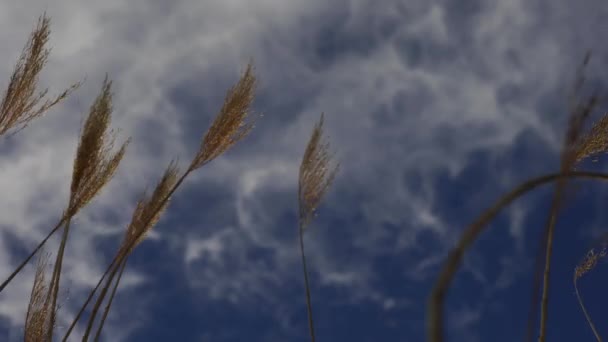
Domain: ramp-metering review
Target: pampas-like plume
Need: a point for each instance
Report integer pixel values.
(147, 213)
(230, 125)
(315, 175)
(149, 209)
(19, 104)
(38, 318)
(93, 165)
(314, 180)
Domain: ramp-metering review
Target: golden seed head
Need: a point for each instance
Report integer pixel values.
(38, 317)
(229, 126)
(94, 165)
(589, 262)
(20, 105)
(149, 209)
(315, 175)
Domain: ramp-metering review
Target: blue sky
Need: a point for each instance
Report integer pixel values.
(433, 108)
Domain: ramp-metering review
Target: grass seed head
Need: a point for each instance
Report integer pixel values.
(94, 165)
(20, 104)
(38, 317)
(149, 209)
(230, 125)
(589, 262)
(315, 175)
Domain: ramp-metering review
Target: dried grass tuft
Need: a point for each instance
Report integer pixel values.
(149, 209)
(20, 105)
(38, 318)
(230, 125)
(94, 165)
(315, 174)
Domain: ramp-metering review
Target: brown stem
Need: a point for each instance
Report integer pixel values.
(436, 300)
(550, 231)
(311, 326)
(86, 303)
(107, 309)
(54, 290)
(40, 245)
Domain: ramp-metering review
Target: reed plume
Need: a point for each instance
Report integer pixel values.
(315, 177)
(38, 320)
(230, 125)
(20, 104)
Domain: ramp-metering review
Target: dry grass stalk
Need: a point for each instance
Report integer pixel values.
(470, 234)
(149, 209)
(31, 255)
(230, 125)
(38, 318)
(147, 213)
(314, 180)
(20, 105)
(94, 166)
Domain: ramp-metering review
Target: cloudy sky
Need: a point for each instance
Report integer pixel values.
(433, 109)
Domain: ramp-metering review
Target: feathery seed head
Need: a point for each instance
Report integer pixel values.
(149, 209)
(589, 262)
(594, 142)
(38, 317)
(315, 175)
(229, 126)
(94, 165)
(18, 105)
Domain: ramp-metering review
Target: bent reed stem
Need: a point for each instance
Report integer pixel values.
(436, 300)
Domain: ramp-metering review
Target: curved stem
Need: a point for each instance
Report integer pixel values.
(435, 304)
(580, 302)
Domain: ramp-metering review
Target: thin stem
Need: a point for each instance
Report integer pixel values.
(102, 295)
(550, 231)
(535, 300)
(57, 276)
(107, 309)
(311, 326)
(40, 245)
(436, 300)
(86, 303)
(120, 255)
(580, 302)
